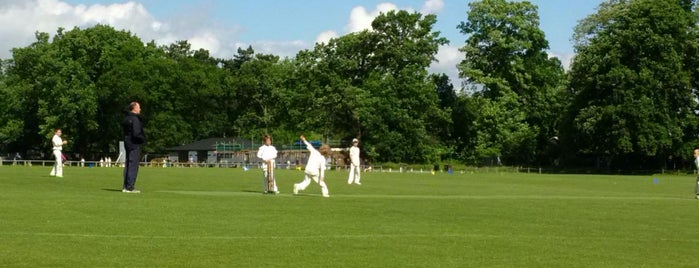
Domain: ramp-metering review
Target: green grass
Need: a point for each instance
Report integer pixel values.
(210, 217)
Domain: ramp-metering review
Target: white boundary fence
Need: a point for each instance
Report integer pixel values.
(256, 165)
(375, 168)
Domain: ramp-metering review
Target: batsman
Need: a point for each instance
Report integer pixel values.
(268, 154)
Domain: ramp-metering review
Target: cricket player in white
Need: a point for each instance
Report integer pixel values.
(268, 154)
(696, 163)
(315, 168)
(57, 143)
(355, 165)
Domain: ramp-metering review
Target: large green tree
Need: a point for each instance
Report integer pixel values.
(11, 123)
(195, 93)
(257, 86)
(115, 63)
(406, 47)
(448, 102)
(336, 74)
(632, 88)
(507, 64)
(374, 85)
(83, 79)
(20, 125)
(73, 82)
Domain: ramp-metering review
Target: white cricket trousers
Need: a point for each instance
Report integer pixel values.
(354, 174)
(265, 177)
(57, 169)
(307, 181)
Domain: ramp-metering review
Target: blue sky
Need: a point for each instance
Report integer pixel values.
(280, 27)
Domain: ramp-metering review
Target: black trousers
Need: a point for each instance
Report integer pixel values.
(133, 156)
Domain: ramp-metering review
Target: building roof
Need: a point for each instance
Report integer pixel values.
(210, 144)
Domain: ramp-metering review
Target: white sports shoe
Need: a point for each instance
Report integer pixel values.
(326, 195)
(134, 191)
(296, 189)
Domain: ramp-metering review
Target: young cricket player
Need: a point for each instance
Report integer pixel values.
(268, 154)
(355, 165)
(57, 143)
(696, 164)
(315, 168)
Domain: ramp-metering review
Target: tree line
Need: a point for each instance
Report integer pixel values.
(629, 99)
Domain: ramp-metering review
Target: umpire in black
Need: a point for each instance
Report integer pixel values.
(134, 138)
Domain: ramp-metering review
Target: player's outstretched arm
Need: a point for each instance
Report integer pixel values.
(309, 146)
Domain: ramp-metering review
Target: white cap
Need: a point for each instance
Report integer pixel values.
(355, 140)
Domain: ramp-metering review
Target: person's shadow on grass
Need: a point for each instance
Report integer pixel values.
(111, 190)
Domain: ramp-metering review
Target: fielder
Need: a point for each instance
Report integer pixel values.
(315, 168)
(57, 143)
(268, 154)
(355, 165)
(696, 164)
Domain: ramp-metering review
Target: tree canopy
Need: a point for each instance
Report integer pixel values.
(632, 83)
(517, 84)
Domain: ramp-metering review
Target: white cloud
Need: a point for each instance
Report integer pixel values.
(206, 40)
(285, 49)
(48, 15)
(128, 14)
(324, 37)
(565, 58)
(360, 19)
(432, 6)
(447, 59)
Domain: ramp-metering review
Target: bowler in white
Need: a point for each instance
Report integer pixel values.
(315, 168)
